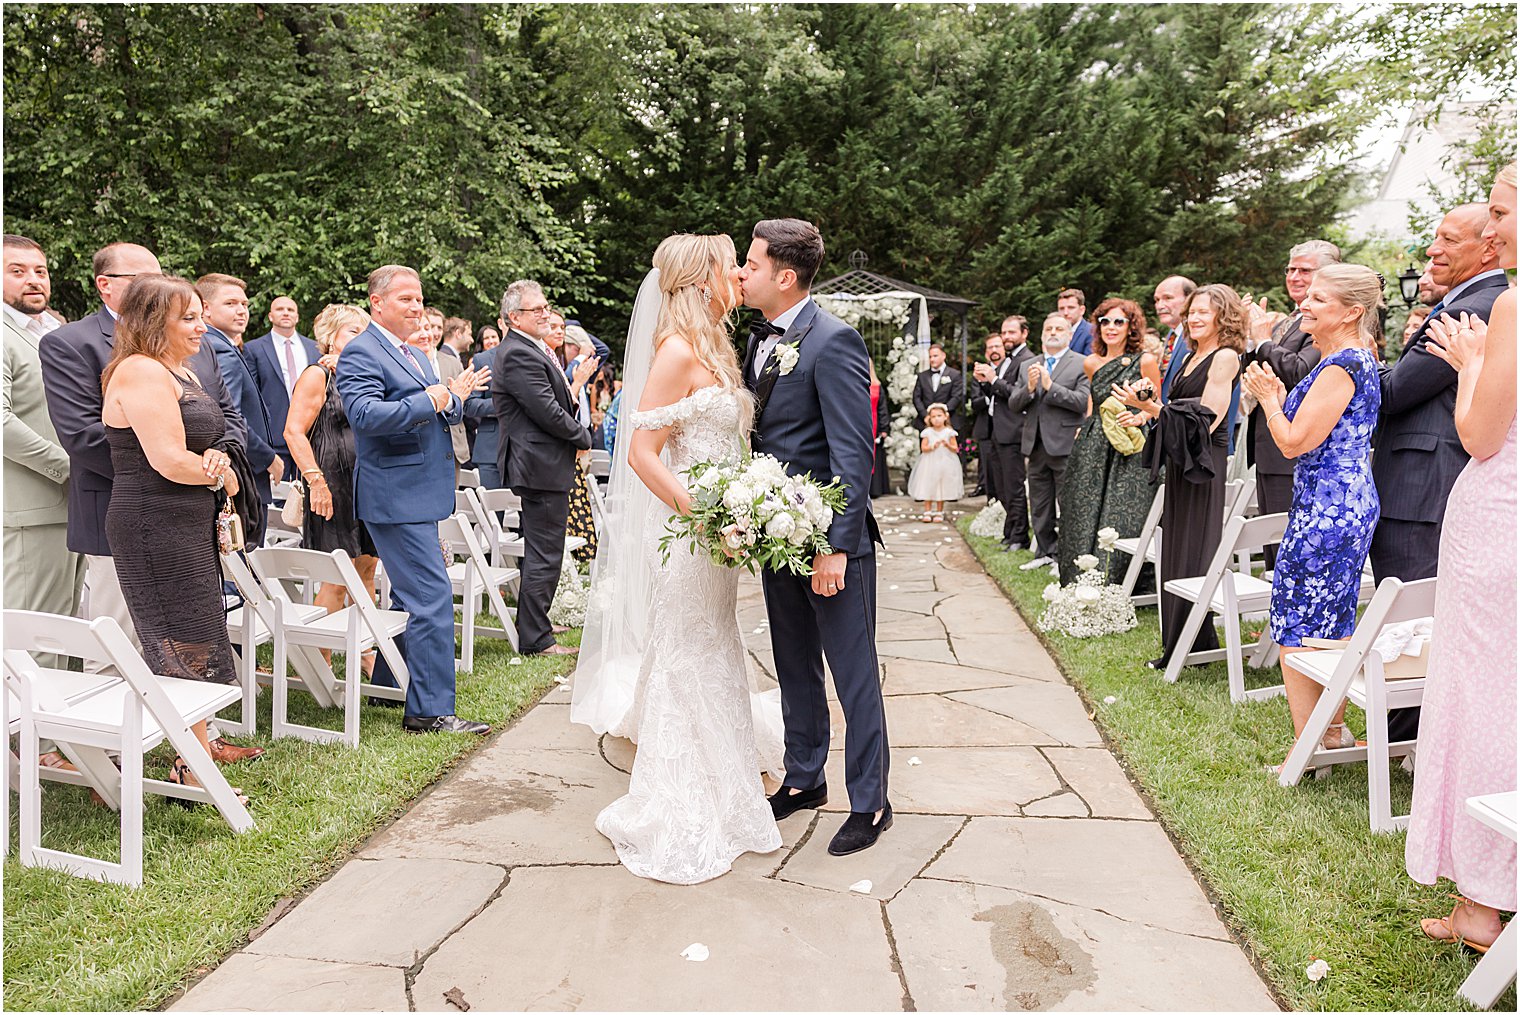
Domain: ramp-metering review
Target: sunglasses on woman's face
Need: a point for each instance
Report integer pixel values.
(1115, 321)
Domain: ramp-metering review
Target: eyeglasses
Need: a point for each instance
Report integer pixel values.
(539, 310)
(129, 274)
(1114, 320)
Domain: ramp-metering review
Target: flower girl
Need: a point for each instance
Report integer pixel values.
(936, 477)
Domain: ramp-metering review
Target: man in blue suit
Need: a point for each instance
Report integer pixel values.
(810, 373)
(278, 357)
(404, 485)
(225, 300)
(1072, 305)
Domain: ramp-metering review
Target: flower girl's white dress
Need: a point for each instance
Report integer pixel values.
(937, 474)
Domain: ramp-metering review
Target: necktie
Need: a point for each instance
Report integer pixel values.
(290, 363)
(1050, 363)
(406, 351)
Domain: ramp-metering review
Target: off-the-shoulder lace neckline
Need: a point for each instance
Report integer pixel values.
(686, 398)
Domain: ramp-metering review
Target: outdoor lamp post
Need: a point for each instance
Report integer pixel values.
(1409, 285)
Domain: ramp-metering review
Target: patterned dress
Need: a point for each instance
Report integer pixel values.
(1467, 723)
(1102, 488)
(1335, 509)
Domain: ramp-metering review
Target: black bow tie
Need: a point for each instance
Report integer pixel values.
(762, 329)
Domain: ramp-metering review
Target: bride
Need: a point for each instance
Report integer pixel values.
(662, 661)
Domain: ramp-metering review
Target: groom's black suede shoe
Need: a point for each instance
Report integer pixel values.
(784, 802)
(860, 831)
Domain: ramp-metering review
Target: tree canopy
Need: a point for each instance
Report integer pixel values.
(998, 152)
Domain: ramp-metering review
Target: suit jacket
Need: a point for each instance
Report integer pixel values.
(1004, 424)
(73, 358)
(1082, 337)
(244, 387)
(1174, 365)
(404, 457)
(1057, 414)
(538, 429)
(481, 407)
(450, 367)
(263, 355)
(817, 417)
(1291, 355)
(36, 466)
(952, 392)
(1417, 453)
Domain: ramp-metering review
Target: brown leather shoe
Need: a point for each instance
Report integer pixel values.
(54, 759)
(560, 650)
(224, 753)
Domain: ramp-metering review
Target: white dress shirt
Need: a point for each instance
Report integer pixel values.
(35, 325)
(783, 321)
(298, 353)
(1001, 369)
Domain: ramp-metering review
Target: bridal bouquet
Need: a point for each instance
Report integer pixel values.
(751, 514)
(1089, 606)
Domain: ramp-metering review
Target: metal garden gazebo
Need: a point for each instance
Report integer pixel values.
(943, 307)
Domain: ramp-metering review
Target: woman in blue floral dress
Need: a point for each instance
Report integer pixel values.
(1325, 424)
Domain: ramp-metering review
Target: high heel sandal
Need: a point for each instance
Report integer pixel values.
(177, 776)
(1449, 925)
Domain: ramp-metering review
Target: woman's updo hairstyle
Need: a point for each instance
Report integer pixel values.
(1356, 285)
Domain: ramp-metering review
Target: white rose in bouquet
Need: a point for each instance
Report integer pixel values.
(737, 498)
(1088, 594)
(780, 525)
(1052, 592)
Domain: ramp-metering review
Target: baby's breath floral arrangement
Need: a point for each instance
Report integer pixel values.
(1089, 607)
(571, 597)
(988, 522)
(902, 440)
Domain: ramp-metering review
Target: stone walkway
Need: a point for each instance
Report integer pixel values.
(1022, 871)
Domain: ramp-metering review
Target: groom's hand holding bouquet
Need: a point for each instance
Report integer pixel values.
(751, 514)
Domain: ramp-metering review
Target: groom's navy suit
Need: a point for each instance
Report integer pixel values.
(816, 418)
(403, 487)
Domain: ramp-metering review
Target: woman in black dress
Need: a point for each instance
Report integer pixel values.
(1192, 511)
(170, 478)
(320, 441)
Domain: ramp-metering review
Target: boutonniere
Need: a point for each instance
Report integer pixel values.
(787, 357)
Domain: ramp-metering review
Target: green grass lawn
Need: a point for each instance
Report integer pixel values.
(1297, 872)
(72, 944)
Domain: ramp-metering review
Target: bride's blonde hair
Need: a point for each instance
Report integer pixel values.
(695, 279)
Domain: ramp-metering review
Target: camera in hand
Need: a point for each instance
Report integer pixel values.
(1145, 391)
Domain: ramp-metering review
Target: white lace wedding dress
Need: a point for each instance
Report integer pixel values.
(695, 801)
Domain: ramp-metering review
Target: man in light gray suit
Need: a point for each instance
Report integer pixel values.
(40, 572)
(1053, 392)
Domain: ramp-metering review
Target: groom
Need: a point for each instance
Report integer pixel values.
(813, 412)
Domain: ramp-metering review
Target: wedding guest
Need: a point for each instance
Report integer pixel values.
(40, 572)
(1419, 454)
(580, 367)
(1171, 297)
(171, 465)
(322, 444)
(488, 337)
(480, 407)
(1072, 305)
(881, 428)
(1467, 735)
(936, 476)
(1324, 426)
(1053, 393)
(278, 357)
(1105, 486)
(996, 381)
(537, 458)
(981, 422)
(1190, 440)
(429, 340)
(225, 299)
(940, 383)
(1412, 323)
(1291, 352)
(456, 338)
(1430, 293)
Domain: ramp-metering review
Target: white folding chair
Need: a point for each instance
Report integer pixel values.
(468, 479)
(472, 577)
(601, 463)
(132, 716)
(276, 532)
(1355, 674)
(1495, 971)
(1143, 549)
(1229, 593)
(496, 513)
(353, 630)
(256, 623)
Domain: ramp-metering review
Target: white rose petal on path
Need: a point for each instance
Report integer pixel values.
(1110, 700)
(695, 952)
(559, 680)
(516, 661)
(914, 760)
(891, 588)
(863, 887)
(1317, 970)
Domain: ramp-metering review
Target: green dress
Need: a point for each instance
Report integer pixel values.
(1101, 487)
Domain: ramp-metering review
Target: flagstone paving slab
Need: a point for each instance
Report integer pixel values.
(548, 728)
(384, 912)
(898, 856)
(1063, 805)
(899, 625)
(614, 942)
(933, 720)
(276, 983)
(936, 650)
(914, 676)
(1053, 709)
(955, 780)
(1099, 781)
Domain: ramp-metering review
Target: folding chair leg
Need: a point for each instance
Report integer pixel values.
(1234, 653)
(1379, 794)
(31, 794)
(470, 600)
(281, 685)
(352, 678)
(1494, 972)
(1184, 647)
(1308, 742)
(131, 867)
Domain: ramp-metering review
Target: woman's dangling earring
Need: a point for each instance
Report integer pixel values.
(706, 295)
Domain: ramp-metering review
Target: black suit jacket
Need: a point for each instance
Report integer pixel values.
(1417, 453)
(263, 358)
(73, 358)
(1291, 357)
(537, 426)
(243, 385)
(952, 393)
(1004, 424)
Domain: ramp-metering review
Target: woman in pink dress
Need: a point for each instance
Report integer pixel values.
(1467, 727)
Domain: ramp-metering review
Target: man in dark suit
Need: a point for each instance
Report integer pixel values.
(1417, 452)
(400, 415)
(996, 380)
(813, 412)
(940, 383)
(225, 300)
(1072, 305)
(540, 436)
(1171, 298)
(73, 358)
(1291, 354)
(1052, 390)
(481, 407)
(278, 357)
(981, 422)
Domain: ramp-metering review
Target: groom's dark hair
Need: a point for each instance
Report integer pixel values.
(794, 244)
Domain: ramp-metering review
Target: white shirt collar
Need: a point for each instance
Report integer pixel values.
(786, 317)
(39, 325)
(1461, 287)
(389, 337)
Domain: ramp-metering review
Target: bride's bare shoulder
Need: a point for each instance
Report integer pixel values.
(675, 350)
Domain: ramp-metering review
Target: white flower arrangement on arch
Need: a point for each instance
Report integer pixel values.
(876, 308)
(1089, 607)
(903, 361)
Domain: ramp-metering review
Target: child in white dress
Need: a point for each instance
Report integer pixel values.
(936, 477)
